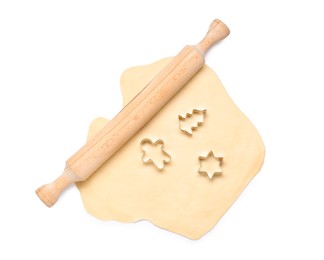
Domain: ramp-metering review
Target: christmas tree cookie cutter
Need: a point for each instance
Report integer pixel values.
(157, 158)
(210, 164)
(187, 128)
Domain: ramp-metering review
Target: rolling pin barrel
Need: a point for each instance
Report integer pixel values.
(135, 115)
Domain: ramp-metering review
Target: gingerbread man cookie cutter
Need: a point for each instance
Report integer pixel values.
(158, 159)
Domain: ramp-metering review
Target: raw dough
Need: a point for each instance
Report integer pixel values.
(177, 198)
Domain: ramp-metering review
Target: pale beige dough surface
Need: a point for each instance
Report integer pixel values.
(177, 198)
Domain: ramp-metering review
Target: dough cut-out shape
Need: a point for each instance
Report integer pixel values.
(191, 121)
(154, 152)
(211, 164)
(179, 200)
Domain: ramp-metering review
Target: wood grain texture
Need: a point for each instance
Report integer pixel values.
(135, 115)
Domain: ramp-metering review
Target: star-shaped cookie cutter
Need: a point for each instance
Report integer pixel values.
(217, 170)
(148, 160)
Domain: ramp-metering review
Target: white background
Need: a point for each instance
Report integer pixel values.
(60, 63)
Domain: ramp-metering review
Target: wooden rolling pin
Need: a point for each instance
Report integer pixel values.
(135, 115)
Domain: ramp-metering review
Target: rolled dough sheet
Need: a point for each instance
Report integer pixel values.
(177, 198)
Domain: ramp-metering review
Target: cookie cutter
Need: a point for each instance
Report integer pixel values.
(189, 115)
(217, 171)
(146, 159)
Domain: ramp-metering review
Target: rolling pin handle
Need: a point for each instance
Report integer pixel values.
(217, 32)
(49, 193)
